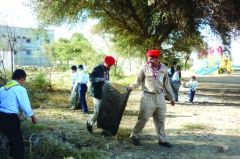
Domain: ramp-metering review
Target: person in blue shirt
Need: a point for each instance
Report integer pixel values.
(13, 100)
(192, 86)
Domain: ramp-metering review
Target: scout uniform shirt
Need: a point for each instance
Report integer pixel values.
(154, 82)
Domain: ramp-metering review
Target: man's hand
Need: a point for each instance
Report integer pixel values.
(34, 119)
(129, 89)
(172, 103)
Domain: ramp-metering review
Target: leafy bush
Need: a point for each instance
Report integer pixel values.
(116, 73)
(126, 80)
(54, 143)
(37, 87)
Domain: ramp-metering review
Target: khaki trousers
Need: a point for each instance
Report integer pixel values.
(152, 105)
(96, 103)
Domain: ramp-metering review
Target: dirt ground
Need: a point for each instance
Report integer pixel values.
(208, 129)
(218, 134)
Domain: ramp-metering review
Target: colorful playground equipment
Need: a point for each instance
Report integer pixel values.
(215, 63)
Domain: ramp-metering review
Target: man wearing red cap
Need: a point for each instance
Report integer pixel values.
(99, 75)
(154, 79)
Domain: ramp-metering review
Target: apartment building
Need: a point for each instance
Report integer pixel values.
(26, 44)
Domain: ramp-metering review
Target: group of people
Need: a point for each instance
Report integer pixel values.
(174, 73)
(79, 82)
(153, 76)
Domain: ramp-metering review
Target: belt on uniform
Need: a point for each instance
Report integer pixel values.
(154, 92)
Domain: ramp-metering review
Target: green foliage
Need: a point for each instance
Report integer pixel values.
(137, 26)
(77, 50)
(125, 80)
(116, 73)
(5, 75)
(37, 87)
(49, 142)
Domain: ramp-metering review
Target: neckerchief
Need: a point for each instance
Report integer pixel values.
(106, 73)
(10, 84)
(154, 70)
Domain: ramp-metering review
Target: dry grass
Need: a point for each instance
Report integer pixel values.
(192, 129)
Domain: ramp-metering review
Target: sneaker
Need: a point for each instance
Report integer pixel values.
(165, 144)
(89, 127)
(135, 141)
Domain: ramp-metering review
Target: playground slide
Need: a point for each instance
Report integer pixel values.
(207, 71)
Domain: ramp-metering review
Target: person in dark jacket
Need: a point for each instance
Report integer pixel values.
(99, 75)
(172, 69)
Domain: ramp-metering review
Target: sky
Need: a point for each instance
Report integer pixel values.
(17, 13)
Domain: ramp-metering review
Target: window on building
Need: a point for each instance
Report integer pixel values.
(15, 52)
(24, 37)
(28, 40)
(28, 52)
(18, 37)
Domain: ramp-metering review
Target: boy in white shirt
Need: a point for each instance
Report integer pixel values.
(74, 77)
(192, 85)
(74, 91)
(81, 83)
(176, 82)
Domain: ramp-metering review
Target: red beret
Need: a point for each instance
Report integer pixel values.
(153, 53)
(109, 60)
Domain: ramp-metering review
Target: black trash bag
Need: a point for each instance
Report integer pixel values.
(112, 106)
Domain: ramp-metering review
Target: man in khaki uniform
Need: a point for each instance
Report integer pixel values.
(154, 79)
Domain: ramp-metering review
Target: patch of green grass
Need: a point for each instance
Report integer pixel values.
(131, 113)
(125, 81)
(192, 127)
(123, 133)
(92, 154)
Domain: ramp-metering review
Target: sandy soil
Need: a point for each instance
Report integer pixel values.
(218, 118)
(208, 129)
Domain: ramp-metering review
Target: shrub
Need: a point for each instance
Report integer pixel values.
(37, 87)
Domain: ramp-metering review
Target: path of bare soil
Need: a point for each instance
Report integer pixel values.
(218, 115)
(208, 129)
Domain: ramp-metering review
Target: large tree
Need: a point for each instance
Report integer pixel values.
(145, 24)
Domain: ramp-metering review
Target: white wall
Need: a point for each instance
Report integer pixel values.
(235, 51)
(5, 57)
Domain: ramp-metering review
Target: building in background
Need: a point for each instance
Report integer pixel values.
(5, 60)
(26, 44)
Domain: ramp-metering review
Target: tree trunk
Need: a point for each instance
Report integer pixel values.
(12, 60)
(186, 61)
